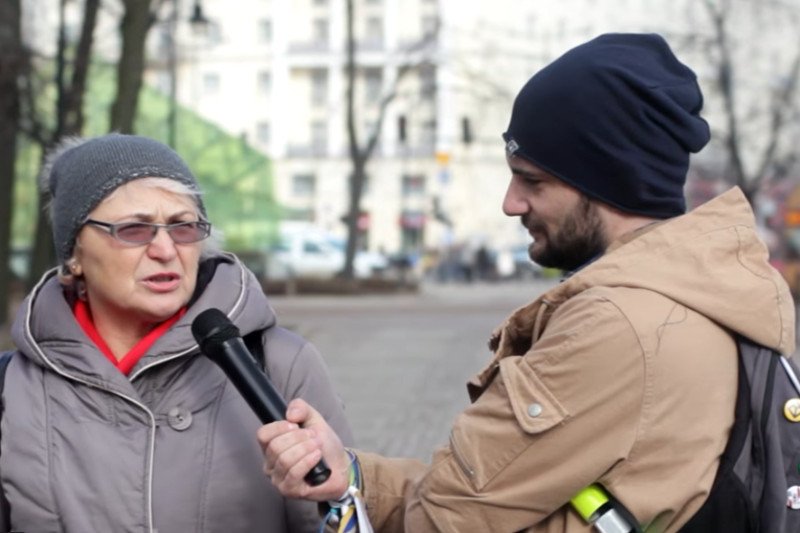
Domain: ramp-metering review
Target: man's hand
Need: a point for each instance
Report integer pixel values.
(293, 446)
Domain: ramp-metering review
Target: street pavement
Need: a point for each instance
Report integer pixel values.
(400, 362)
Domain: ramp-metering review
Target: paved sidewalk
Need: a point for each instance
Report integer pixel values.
(400, 362)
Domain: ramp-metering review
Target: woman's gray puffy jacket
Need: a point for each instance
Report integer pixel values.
(169, 449)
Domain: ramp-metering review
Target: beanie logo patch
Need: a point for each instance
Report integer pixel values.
(511, 147)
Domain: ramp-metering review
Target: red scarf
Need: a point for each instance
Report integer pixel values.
(84, 317)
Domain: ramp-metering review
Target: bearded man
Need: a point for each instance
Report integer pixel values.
(625, 374)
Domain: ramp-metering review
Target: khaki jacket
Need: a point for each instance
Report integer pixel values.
(625, 373)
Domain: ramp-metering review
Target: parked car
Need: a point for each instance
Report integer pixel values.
(524, 267)
(515, 263)
(308, 251)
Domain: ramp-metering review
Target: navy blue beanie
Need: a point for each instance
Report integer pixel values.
(616, 118)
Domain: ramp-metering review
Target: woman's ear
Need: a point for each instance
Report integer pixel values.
(74, 267)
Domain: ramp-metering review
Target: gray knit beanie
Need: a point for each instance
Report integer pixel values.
(81, 173)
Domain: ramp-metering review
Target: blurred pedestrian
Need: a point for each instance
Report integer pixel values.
(625, 374)
(484, 264)
(113, 420)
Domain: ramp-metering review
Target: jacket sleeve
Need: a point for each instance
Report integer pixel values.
(548, 423)
(297, 370)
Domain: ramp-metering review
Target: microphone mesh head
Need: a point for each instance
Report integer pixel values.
(213, 326)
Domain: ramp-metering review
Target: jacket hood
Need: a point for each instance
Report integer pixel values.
(710, 260)
(46, 331)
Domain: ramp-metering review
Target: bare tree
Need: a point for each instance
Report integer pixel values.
(71, 75)
(12, 63)
(757, 119)
(360, 151)
(137, 20)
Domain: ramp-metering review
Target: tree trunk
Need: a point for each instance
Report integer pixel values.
(136, 23)
(43, 254)
(12, 61)
(781, 104)
(73, 116)
(69, 115)
(361, 154)
(358, 176)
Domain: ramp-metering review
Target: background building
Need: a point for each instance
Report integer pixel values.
(273, 72)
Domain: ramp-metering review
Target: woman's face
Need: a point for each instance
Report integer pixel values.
(145, 283)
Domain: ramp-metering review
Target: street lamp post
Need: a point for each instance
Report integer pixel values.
(199, 23)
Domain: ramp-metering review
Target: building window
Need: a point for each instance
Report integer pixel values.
(304, 185)
(374, 32)
(319, 87)
(412, 225)
(466, 130)
(213, 34)
(427, 81)
(320, 31)
(264, 83)
(402, 130)
(211, 83)
(413, 185)
(264, 31)
(428, 133)
(371, 130)
(263, 132)
(373, 84)
(165, 42)
(429, 25)
(319, 137)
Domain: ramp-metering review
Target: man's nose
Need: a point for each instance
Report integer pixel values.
(514, 203)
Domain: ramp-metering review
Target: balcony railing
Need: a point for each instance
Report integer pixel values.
(310, 47)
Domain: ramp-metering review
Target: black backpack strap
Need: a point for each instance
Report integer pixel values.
(728, 506)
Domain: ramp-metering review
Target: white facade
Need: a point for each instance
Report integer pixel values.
(274, 72)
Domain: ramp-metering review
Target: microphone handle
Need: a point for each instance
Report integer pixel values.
(260, 394)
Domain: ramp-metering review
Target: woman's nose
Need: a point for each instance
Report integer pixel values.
(162, 245)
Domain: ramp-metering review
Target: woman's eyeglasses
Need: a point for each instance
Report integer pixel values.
(145, 232)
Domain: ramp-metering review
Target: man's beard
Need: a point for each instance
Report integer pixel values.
(578, 239)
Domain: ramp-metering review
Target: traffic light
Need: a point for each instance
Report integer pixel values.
(466, 131)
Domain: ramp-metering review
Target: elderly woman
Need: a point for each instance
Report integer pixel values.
(113, 420)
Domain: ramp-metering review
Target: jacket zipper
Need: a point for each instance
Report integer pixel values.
(152, 433)
(234, 307)
(151, 416)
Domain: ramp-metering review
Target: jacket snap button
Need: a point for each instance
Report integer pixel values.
(534, 410)
(179, 419)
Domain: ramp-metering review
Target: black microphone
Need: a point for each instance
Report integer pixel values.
(221, 341)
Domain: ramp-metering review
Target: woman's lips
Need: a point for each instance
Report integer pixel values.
(164, 282)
